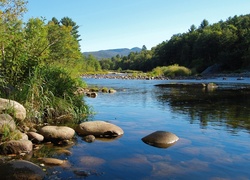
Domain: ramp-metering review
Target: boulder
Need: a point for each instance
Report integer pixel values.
(99, 129)
(57, 133)
(160, 139)
(21, 170)
(35, 137)
(13, 108)
(16, 147)
(6, 121)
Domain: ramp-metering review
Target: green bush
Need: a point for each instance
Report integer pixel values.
(171, 71)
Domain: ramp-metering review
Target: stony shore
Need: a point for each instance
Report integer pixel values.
(129, 76)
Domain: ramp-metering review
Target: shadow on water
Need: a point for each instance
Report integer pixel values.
(220, 106)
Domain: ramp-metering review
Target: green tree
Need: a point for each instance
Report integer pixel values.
(68, 22)
(63, 46)
(204, 24)
(12, 40)
(37, 43)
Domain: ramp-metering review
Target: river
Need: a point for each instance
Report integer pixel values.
(213, 127)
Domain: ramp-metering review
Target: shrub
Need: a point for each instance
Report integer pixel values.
(171, 71)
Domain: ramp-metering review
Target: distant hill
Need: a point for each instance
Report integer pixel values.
(112, 52)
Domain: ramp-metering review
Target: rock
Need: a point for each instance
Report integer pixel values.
(52, 161)
(57, 133)
(16, 147)
(6, 121)
(35, 137)
(24, 136)
(21, 170)
(105, 90)
(64, 151)
(160, 139)
(13, 108)
(64, 118)
(216, 68)
(240, 78)
(91, 94)
(91, 161)
(112, 91)
(211, 86)
(89, 138)
(99, 129)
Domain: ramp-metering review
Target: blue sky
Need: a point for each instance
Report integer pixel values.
(111, 24)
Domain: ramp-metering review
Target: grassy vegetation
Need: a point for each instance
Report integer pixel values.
(53, 88)
(9, 134)
(171, 71)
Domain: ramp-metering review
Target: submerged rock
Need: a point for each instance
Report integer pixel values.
(99, 129)
(21, 170)
(89, 138)
(52, 161)
(161, 139)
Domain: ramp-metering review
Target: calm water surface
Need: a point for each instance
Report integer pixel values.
(213, 127)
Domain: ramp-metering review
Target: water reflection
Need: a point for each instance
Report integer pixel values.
(217, 107)
(207, 151)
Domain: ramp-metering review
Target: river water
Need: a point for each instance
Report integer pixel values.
(213, 127)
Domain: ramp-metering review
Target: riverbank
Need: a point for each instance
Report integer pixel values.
(131, 76)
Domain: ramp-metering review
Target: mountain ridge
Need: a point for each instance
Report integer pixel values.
(109, 53)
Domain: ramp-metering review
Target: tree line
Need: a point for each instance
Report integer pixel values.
(226, 43)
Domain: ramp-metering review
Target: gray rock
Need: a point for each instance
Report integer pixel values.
(17, 110)
(160, 139)
(24, 136)
(89, 138)
(57, 133)
(16, 147)
(21, 170)
(35, 137)
(6, 121)
(99, 129)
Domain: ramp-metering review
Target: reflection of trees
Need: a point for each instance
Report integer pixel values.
(219, 107)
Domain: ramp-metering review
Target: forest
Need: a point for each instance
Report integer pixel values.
(226, 44)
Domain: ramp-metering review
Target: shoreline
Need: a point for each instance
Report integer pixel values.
(130, 76)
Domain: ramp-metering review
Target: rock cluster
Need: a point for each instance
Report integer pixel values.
(30, 138)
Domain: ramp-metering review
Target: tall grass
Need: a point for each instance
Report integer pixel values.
(52, 89)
